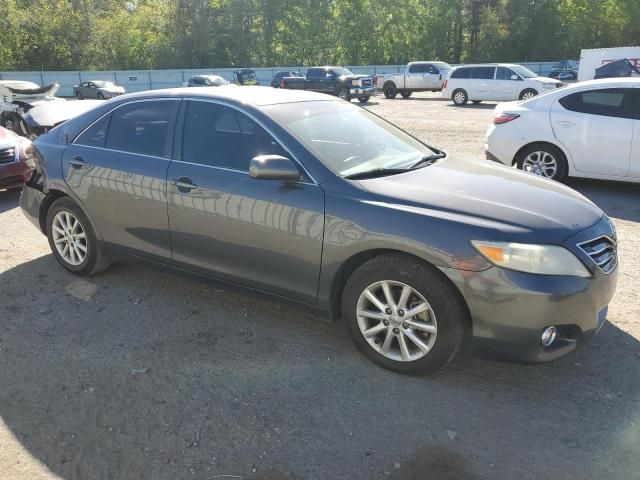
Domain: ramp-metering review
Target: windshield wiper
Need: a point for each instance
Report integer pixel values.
(428, 160)
(376, 172)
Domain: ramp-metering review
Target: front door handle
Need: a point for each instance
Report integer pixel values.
(184, 184)
(77, 162)
(565, 123)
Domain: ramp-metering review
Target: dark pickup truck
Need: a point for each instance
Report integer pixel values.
(334, 81)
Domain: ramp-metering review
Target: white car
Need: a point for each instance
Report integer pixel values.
(417, 77)
(494, 82)
(589, 129)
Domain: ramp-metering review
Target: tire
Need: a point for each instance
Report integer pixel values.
(79, 96)
(11, 121)
(100, 96)
(406, 94)
(459, 97)
(363, 99)
(344, 94)
(528, 93)
(476, 102)
(94, 260)
(390, 91)
(533, 158)
(446, 313)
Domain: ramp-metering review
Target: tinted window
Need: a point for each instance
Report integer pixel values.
(483, 73)
(610, 102)
(316, 73)
(95, 135)
(143, 127)
(220, 136)
(504, 73)
(419, 68)
(461, 73)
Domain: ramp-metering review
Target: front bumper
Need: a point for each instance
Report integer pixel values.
(362, 91)
(31, 201)
(14, 174)
(510, 309)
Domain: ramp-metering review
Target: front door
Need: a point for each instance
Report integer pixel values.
(596, 127)
(634, 159)
(118, 169)
(264, 234)
(504, 86)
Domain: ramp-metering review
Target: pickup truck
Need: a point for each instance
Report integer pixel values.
(334, 81)
(417, 77)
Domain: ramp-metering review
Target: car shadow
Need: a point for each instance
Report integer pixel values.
(476, 106)
(140, 373)
(617, 199)
(9, 199)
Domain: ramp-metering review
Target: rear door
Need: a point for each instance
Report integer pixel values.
(415, 78)
(481, 83)
(634, 159)
(318, 81)
(118, 169)
(265, 234)
(596, 127)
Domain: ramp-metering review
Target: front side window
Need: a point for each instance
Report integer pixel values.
(483, 73)
(348, 139)
(96, 134)
(143, 128)
(503, 73)
(610, 102)
(220, 136)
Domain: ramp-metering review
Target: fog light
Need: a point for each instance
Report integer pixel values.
(548, 336)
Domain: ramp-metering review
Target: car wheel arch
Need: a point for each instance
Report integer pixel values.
(567, 158)
(350, 265)
(54, 194)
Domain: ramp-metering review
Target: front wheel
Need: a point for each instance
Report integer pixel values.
(460, 97)
(344, 94)
(72, 239)
(406, 94)
(363, 99)
(403, 315)
(78, 95)
(528, 94)
(100, 96)
(543, 160)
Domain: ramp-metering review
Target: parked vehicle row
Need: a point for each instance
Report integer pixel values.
(589, 129)
(418, 252)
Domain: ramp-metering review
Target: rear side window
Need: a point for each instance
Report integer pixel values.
(610, 102)
(461, 73)
(419, 68)
(219, 136)
(143, 128)
(95, 135)
(483, 73)
(316, 73)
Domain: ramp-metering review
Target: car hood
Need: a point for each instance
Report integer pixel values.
(354, 77)
(50, 114)
(7, 137)
(512, 205)
(112, 89)
(547, 80)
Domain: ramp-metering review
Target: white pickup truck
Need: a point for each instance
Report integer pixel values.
(417, 77)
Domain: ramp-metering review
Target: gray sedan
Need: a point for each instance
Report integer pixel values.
(97, 89)
(318, 201)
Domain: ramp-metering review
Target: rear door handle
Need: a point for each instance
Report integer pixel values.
(77, 162)
(184, 184)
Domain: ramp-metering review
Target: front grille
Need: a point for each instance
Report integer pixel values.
(603, 252)
(7, 154)
(366, 82)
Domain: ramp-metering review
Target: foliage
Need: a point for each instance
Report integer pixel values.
(121, 34)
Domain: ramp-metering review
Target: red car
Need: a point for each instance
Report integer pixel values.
(15, 169)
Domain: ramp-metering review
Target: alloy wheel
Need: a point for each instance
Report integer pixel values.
(528, 95)
(396, 321)
(459, 98)
(69, 237)
(540, 163)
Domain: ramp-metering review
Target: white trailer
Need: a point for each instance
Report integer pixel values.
(592, 58)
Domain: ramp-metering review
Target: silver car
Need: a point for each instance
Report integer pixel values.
(99, 89)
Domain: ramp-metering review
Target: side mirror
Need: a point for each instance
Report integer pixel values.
(273, 167)
(515, 77)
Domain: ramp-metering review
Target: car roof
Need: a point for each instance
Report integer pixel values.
(254, 95)
(489, 65)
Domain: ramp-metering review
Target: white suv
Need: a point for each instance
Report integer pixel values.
(494, 82)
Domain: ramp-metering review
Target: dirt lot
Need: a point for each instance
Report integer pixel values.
(138, 373)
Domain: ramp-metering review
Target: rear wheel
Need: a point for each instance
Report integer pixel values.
(403, 315)
(390, 91)
(528, 94)
(406, 94)
(544, 160)
(344, 94)
(459, 97)
(72, 239)
(78, 95)
(100, 96)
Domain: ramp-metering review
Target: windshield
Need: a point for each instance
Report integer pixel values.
(246, 76)
(341, 71)
(348, 139)
(442, 65)
(102, 84)
(523, 71)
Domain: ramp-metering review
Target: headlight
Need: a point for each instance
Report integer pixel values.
(548, 85)
(356, 83)
(540, 259)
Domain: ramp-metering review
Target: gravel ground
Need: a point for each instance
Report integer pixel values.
(139, 373)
